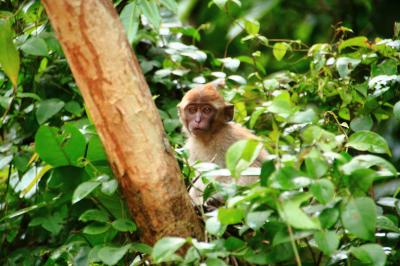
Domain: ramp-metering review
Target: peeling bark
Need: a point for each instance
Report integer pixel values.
(119, 100)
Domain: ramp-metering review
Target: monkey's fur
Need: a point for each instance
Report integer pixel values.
(209, 141)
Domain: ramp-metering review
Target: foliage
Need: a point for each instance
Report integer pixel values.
(327, 195)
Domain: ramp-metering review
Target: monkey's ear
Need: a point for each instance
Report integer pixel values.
(228, 112)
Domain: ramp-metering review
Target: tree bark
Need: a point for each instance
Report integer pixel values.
(118, 98)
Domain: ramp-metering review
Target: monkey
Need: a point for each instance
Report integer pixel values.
(207, 124)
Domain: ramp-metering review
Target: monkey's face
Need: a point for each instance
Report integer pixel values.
(199, 117)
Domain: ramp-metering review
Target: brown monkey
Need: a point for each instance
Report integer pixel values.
(206, 120)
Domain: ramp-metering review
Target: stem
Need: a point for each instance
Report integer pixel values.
(293, 242)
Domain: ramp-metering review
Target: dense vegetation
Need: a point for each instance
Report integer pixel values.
(324, 101)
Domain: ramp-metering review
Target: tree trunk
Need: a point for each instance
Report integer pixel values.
(118, 98)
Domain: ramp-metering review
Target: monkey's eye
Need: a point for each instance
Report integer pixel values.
(192, 109)
(206, 109)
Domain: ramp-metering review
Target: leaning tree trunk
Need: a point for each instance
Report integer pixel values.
(118, 98)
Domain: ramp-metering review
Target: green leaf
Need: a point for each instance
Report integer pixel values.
(364, 140)
(256, 219)
(9, 57)
(220, 3)
(215, 262)
(124, 225)
(96, 228)
(95, 150)
(252, 27)
(74, 108)
(150, 10)
(170, 4)
(318, 136)
(60, 149)
(267, 168)
(384, 223)
(370, 254)
(361, 123)
(396, 110)
(230, 215)
(94, 215)
(214, 226)
(359, 217)
(165, 248)
(35, 46)
(291, 212)
(47, 109)
(111, 255)
(328, 217)
(84, 190)
(327, 241)
(241, 155)
(109, 187)
(323, 190)
(368, 161)
(282, 104)
(279, 50)
(346, 65)
(360, 41)
(316, 166)
(361, 180)
(130, 18)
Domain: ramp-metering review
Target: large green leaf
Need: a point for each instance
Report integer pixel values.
(359, 41)
(83, 190)
(327, 241)
(150, 10)
(130, 19)
(279, 50)
(292, 213)
(241, 155)
(323, 190)
(111, 255)
(370, 254)
(364, 140)
(165, 248)
(47, 109)
(60, 149)
(9, 57)
(368, 161)
(230, 215)
(124, 225)
(35, 46)
(359, 217)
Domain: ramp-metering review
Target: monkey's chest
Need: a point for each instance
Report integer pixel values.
(209, 152)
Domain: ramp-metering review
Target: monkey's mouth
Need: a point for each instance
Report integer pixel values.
(198, 129)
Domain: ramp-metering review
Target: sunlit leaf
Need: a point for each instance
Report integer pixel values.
(130, 19)
(83, 190)
(151, 12)
(165, 248)
(9, 57)
(364, 140)
(359, 41)
(279, 50)
(241, 155)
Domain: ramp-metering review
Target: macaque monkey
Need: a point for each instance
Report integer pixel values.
(206, 119)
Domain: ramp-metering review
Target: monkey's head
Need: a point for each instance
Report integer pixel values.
(203, 110)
